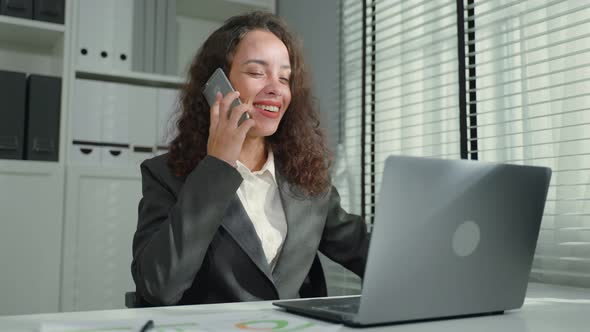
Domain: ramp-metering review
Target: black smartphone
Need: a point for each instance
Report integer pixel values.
(218, 82)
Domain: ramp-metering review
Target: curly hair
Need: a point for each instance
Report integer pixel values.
(299, 145)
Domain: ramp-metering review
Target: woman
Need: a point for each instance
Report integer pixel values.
(239, 212)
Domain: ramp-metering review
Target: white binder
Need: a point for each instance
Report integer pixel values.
(160, 37)
(171, 56)
(149, 36)
(115, 119)
(137, 52)
(142, 122)
(95, 34)
(123, 35)
(115, 123)
(86, 120)
(167, 105)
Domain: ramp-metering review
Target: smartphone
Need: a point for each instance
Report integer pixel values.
(218, 82)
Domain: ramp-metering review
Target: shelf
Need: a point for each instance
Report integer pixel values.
(263, 4)
(28, 167)
(113, 172)
(145, 79)
(220, 10)
(31, 33)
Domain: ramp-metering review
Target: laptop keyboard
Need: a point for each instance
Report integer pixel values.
(344, 305)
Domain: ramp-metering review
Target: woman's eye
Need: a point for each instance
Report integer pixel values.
(255, 74)
(285, 79)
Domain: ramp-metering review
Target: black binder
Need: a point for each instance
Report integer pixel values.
(17, 8)
(43, 113)
(12, 114)
(49, 10)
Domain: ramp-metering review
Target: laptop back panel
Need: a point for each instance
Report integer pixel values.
(451, 238)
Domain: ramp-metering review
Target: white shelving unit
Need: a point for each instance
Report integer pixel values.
(145, 79)
(31, 192)
(31, 198)
(100, 220)
(31, 33)
(66, 229)
(32, 46)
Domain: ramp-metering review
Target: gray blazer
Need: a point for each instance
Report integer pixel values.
(195, 243)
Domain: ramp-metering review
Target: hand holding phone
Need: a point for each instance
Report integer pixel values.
(226, 131)
(218, 82)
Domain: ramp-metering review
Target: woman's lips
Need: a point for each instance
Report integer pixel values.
(268, 109)
(268, 114)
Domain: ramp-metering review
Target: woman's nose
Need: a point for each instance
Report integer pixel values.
(273, 86)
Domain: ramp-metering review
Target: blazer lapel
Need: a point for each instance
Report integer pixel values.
(300, 246)
(240, 227)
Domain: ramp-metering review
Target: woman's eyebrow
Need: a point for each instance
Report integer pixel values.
(263, 63)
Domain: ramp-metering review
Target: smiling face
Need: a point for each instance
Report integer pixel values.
(261, 71)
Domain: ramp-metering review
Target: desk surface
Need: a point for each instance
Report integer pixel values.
(547, 308)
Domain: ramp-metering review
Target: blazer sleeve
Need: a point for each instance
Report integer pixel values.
(345, 239)
(174, 231)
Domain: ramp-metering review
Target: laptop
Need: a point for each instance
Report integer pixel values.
(451, 238)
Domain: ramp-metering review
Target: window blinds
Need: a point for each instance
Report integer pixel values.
(347, 167)
(399, 92)
(530, 96)
(413, 105)
(407, 103)
(524, 89)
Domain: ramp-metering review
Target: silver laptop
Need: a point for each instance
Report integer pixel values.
(451, 238)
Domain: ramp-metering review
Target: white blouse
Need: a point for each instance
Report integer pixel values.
(260, 196)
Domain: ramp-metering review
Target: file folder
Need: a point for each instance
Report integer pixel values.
(49, 10)
(122, 35)
(166, 125)
(149, 36)
(42, 119)
(114, 154)
(171, 54)
(86, 122)
(160, 37)
(142, 121)
(12, 114)
(17, 8)
(115, 124)
(95, 34)
(137, 63)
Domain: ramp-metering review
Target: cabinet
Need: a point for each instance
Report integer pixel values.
(66, 227)
(30, 236)
(31, 192)
(101, 214)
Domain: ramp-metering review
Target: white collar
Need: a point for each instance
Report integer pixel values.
(269, 166)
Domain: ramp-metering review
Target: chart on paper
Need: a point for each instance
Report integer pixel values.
(249, 321)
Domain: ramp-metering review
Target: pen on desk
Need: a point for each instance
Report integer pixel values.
(147, 326)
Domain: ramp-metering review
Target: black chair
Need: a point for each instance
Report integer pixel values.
(132, 300)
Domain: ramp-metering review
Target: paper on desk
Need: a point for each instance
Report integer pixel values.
(132, 325)
(235, 321)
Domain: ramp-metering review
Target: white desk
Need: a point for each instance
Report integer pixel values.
(547, 308)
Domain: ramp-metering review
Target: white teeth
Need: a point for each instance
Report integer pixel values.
(268, 108)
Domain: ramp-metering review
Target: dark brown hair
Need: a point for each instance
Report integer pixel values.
(299, 145)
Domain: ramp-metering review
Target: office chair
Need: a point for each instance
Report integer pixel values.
(133, 300)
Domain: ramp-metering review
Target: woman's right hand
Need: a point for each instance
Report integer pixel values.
(225, 136)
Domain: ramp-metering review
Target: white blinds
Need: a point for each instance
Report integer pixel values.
(348, 155)
(528, 102)
(532, 105)
(347, 164)
(406, 104)
(410, 91)
(415, 109)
